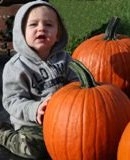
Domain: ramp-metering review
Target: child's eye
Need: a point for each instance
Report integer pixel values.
(32, 24)
(49, 24)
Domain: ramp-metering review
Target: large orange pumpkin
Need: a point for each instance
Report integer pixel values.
(85, 121)
(107, 56)
(124, 145)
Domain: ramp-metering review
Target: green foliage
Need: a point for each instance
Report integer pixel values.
(85, 18)
(73, 43)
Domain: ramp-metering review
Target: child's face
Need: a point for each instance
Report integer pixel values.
(41, 32)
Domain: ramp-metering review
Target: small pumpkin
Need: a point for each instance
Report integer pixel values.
(107, 56)
(84, 120)
(124, 145)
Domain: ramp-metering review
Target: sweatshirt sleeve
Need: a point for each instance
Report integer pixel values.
(16, 96)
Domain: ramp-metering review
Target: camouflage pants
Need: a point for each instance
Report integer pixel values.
(26, 142)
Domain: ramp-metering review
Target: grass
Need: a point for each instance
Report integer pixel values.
(84, 16)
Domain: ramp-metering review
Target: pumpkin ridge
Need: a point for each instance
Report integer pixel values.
(69, 115)
(84, 108)
(98, 107)
(68, 124)
(53, 131)
(111, 61)
(99, 69)
(95, 127)
(81, 137)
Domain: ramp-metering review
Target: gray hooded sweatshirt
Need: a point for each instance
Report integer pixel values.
(27, 79)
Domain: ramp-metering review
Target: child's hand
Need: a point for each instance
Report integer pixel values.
(41, 110)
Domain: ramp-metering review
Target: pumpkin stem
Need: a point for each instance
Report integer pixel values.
(110, 32)
(85, 76)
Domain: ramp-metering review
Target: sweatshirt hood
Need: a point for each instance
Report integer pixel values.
(19, 42)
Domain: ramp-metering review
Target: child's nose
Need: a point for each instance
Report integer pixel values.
(41, 27)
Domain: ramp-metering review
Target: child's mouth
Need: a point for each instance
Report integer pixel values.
(42, 37)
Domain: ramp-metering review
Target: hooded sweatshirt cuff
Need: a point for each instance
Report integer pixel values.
(33, 111)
